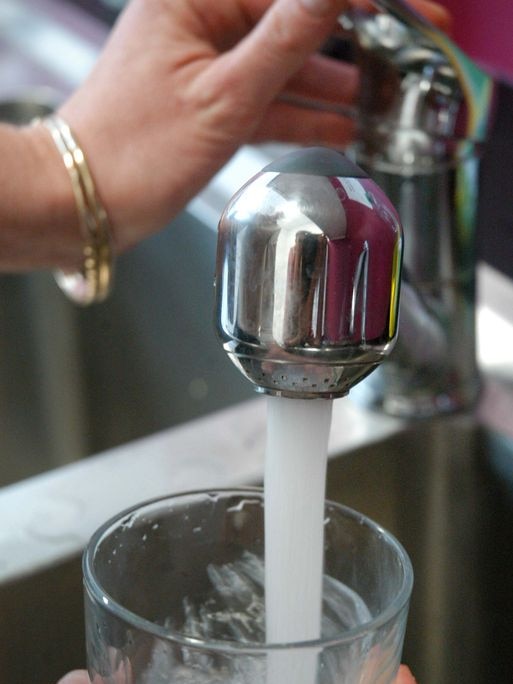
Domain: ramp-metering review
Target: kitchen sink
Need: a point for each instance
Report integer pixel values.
(74, 382)
(444, 487)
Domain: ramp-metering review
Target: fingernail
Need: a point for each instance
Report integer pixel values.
(318, 8)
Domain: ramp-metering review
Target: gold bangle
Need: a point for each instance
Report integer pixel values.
(94, 281)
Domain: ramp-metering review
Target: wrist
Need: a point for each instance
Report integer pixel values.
(48, 220)
(38, 215)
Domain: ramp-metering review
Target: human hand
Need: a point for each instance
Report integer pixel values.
(181, 85)
(404, 676)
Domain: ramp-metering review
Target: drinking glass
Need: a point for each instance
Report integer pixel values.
(174, 594)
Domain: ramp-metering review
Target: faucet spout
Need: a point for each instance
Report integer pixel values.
(307, 277)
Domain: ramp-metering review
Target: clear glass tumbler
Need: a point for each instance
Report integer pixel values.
(174, 594)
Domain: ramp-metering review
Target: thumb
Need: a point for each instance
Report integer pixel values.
(288, 33)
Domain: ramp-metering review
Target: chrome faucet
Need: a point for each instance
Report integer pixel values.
(424, 114)
(307, 277)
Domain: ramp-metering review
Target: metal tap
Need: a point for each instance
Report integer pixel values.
(307, 276)
(424, 114)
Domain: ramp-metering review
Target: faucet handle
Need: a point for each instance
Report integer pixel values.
(419, 77)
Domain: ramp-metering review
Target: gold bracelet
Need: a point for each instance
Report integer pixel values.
(94, 281)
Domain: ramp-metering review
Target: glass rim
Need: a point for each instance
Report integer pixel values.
(226, 646)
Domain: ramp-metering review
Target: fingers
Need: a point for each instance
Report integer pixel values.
(434, 12)
(404, 676)
(288, 33)
(75, 677)
(326, 80)
(287, 122)
(284, 38)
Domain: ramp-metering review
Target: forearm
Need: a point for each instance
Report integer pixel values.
(38, 219)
